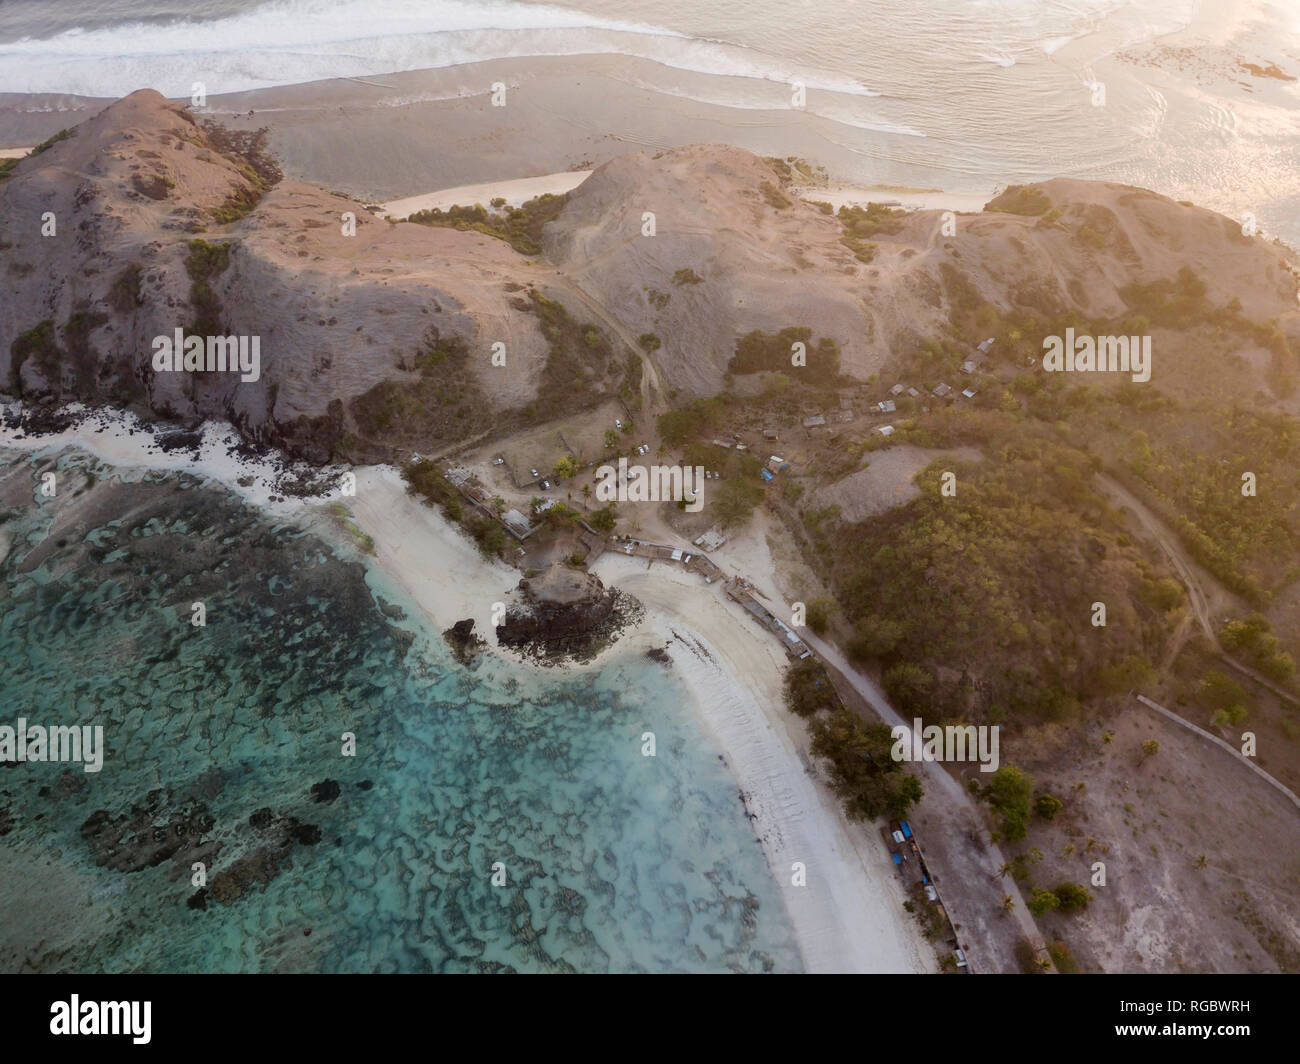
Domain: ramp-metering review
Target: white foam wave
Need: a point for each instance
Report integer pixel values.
(289, 42)
(843, 112)
(1052, 45)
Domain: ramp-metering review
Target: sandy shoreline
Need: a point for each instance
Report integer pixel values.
(930, 200)
(408, 133)
(848, 917)
(398, 135)
(519, 190)
(515, 192)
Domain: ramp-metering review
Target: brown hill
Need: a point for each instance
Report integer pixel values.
(383, 339)
(131, 190)
(768, 261)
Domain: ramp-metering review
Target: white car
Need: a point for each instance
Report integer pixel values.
(498, 461)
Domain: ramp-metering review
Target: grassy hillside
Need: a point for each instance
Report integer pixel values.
(980, 601)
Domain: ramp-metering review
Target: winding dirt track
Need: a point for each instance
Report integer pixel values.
(651, 388)
(1186, 570)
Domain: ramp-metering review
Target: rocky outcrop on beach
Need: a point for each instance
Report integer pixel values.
(565, 614)
(465, 645)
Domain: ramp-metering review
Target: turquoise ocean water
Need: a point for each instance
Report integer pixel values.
(613, 861)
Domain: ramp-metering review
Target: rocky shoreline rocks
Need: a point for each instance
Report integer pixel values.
(566, 615)
(465, 645)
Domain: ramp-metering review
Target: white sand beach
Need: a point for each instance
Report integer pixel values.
(849, 916)
(920, 200)
(515, 193)
(520, 190)
(440, 567)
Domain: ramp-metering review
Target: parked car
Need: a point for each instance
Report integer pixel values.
(534, 473)
(545, 485)
(498, 461)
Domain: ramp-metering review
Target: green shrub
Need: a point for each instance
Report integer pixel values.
(1072, 897)
(39, 344)
(520, 227)
(808, 689)
(125, 294)
(866, 778)
(1021, 199)
(774, 197)
(1251, 639)
(426, 480)
(1047, 806)
(1063, 959)
(1008, 792)
(818, 615)
(603, 520)
(758, 352)
(657, 299)
(204, 264)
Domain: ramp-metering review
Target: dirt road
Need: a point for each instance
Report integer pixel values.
(1205, 606)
